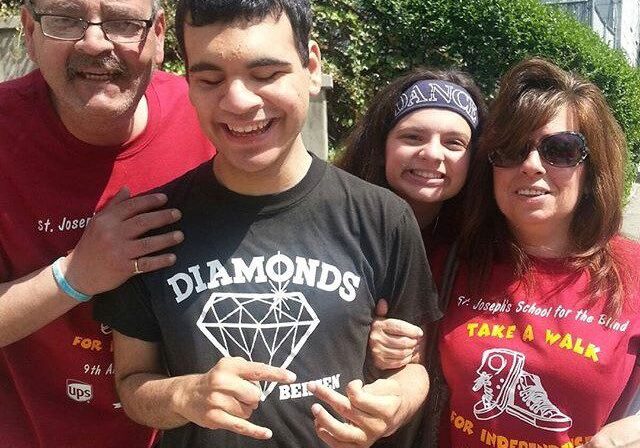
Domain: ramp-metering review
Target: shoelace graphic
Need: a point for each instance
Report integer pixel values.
(484, 381)
(536, 398)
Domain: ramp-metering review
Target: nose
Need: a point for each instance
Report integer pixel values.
(94, 41)
(533, 165)
(239, 98)
(432, 150)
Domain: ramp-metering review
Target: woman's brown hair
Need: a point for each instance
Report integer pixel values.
(530, 95)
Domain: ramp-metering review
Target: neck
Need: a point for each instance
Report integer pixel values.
(106, 130)
(426, 212)
(280, 175)
(543, 242)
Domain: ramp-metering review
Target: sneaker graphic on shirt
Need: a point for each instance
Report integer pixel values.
(497, 375)
(531, 404)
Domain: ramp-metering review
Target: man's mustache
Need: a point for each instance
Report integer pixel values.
(83, 63)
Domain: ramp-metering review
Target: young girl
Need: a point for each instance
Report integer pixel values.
(416, 139)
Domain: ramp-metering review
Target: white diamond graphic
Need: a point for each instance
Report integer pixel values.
(268, 328)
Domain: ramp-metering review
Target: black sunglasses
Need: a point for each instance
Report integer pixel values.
(563, 149)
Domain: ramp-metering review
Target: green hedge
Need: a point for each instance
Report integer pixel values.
(9, 7)
(368, 42)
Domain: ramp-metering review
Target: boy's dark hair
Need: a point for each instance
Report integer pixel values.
(207, 12)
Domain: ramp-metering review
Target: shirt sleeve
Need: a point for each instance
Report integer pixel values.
(409, 285)
(127, 309)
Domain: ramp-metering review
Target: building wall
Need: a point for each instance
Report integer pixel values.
(13, 60)
(630, 30)
(617, 22)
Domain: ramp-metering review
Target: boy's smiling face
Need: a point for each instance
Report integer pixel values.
(251, 92)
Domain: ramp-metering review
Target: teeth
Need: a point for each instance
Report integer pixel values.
(427, 174)
(531, 192)
(96, 76)
(258, 126)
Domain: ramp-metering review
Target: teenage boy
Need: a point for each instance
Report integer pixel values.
(272, 296)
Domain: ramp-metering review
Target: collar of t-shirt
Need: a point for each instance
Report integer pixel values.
(207, 185)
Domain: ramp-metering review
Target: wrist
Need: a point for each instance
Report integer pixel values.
(177, 397)
(67, 286)
(74, 272)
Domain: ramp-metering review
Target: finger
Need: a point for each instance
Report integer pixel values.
(122, 195)
(141, 223)
(389, 354)
(230, 404)
(329, 440)
(382, 308)
(335, 400)
(150, 264)
(389, 364)
(401, 328)
(150, 244)
(378, 399)
(337, 430)
(223, 420)
(257, 371)
(138, 204)
(396, 343)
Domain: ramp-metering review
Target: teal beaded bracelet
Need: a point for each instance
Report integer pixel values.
(64, 285)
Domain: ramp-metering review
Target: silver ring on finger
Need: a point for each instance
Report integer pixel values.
(136, 267)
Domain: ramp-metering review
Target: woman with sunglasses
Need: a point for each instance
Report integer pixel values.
(542, 331)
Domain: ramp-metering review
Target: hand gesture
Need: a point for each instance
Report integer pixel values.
(369, 412)
(226, 396)
(394, 343)
(112, 248)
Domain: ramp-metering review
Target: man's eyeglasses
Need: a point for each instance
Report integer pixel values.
(123, 31)
(563, 149)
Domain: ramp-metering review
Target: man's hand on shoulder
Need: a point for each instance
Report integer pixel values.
(113, 245)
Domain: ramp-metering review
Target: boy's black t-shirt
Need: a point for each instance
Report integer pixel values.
(289, 279)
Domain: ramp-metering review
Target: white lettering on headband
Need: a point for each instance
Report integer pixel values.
(436, 93)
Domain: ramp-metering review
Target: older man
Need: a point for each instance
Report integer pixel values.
(93, 126)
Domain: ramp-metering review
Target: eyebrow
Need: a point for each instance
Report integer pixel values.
(418, 128)
(63, 5)
(120, 7)
(268, 62)
(204, 67)
(261, 62)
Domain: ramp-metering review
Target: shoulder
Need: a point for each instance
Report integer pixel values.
(170, 89)
(21, 91)
(179, 189)
(627, 251)
(165, 80)
(363, 193)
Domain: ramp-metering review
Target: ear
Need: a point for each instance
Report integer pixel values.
(28, 26)
(315, 68)
(159, 28)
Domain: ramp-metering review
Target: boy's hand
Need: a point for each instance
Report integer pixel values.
(226, 396)
(370, 413)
